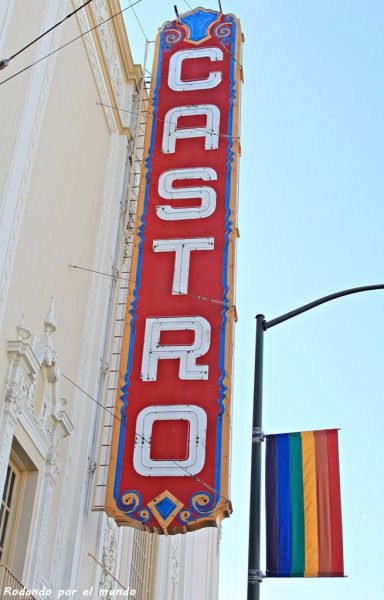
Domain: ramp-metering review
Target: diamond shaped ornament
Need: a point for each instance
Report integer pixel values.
(165, 508)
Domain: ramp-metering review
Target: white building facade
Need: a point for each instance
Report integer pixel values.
(69, 169)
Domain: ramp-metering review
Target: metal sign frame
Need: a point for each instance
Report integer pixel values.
(169, 463)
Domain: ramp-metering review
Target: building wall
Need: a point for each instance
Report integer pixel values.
(64, 172)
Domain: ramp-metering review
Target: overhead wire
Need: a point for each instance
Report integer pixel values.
(5, 61)
(70, 42)
(138, 22)
(149, 442)
(159, 287)
(166, 121)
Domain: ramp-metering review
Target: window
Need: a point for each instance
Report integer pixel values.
(141, 565)
(8, 506)
(17, 510)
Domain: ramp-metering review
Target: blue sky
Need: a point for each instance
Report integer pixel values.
(311, 223)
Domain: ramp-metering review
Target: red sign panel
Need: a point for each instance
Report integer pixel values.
(170, 453)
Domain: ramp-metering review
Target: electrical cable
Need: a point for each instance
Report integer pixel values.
(225, 304)
(232, 137)
(138, 21)
(203, 483)
(5, 61)
(69, 42)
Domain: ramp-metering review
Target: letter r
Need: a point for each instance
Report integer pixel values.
(153, 351)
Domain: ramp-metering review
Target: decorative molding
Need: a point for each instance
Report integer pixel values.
(174, 560)
(53, 466)
(31, 356)
(134, 118)
(109, 49)
(42, 540)
(13, 400)
(50, 325)
(218, 538)
(107, 62)
(96, 67)
(109, 558)
(132, 72)
(28, 357)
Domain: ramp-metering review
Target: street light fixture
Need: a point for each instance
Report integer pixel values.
(254, 573)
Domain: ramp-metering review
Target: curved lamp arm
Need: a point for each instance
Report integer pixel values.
(310, 305)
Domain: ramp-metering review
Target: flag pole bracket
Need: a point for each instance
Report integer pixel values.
(255, 576)
(257, 434)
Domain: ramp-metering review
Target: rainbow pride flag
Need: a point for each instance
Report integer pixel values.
(303, 505)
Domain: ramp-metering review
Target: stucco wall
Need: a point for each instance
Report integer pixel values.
(63, 178)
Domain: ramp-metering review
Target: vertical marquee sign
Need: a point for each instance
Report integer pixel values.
(169, 461)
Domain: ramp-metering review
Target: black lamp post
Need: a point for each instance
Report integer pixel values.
(254, 573)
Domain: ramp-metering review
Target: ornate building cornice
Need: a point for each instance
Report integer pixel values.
(111, 53)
